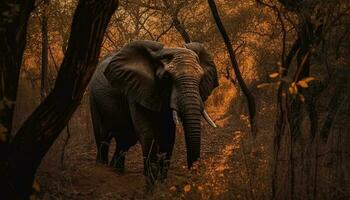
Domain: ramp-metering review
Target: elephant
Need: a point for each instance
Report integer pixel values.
(140, 93)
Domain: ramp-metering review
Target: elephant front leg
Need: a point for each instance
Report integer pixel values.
(146, 125)
(102, 153)
(158, 161)
(150, 160)
(124, 141)
(118, 161)
(166, 142)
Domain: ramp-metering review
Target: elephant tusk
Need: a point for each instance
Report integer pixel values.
(175, 117)
(208, 119)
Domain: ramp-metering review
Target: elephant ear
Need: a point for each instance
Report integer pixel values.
(132, 71)
(209, 80)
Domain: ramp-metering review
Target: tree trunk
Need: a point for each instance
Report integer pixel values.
(176, 22)
(13, 28)
(44, 50)
(41, 129)
(249, 96)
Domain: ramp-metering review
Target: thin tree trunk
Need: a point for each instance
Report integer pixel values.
(176, 22)
(41, 129)
(13, 27)
(249, 96)
(181, 29)
(44, 50)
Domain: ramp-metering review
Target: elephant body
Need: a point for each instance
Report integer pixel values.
(110, 115)
(136, 94)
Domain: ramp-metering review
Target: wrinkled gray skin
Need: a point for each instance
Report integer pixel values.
(134, 93)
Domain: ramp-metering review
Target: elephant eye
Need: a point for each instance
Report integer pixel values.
(166, 58)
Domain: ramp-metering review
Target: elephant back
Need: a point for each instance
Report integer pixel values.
(99, 83)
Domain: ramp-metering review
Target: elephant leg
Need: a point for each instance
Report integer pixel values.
(118, 160)
(123, 144)
(166, 144)
(147, 125)
(102, 137)
(103, 150)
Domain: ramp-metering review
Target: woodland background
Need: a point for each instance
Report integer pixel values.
(293, 57)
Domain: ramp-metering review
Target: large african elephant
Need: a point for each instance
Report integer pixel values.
(137, 94)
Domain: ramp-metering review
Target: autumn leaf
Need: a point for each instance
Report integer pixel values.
(172, 188)
(187, 188)
(293, 89)
(274, 75)
(303, 84)
(302, 98)
(309, 79)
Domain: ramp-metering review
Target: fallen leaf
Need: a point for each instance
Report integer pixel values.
(200, 188)
(187, 188)
(274, 75)
(172, 189)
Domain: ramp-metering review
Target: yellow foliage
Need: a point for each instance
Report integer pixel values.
(187, 188)
(274, 75)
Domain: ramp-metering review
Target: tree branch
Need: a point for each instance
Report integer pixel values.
(249, 96)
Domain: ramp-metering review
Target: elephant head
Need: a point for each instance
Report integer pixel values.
(155, 77)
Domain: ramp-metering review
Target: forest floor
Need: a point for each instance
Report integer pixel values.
(223, 171)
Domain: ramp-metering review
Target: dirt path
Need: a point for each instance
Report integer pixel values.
(88, 181)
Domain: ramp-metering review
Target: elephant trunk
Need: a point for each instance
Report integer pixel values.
(190, 107)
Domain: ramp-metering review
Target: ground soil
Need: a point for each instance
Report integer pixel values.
(83, 179)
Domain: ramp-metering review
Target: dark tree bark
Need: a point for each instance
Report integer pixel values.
(41, 129)
(13, 28)
(181, 29)
(249, 96)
